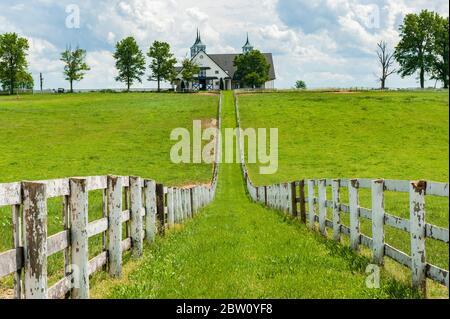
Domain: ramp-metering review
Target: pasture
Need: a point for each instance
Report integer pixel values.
(55, 136)
(391, 135)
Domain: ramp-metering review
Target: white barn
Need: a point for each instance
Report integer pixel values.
(218, 70)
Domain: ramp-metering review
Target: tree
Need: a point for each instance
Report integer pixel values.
(415, 50)
(24, 81)
(190, 69)
(13, 62)
(252, 69)
(75, 65)
(130, 62)
(440, 65)
(163, 63)
(300, 85)
(386, 61)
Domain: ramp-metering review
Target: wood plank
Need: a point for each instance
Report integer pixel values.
(355, 225)
(437, 233)
(437, 189)
(114, 194)
(367, 242)
(397, 255)
(396, 186)
(10, 194)
(11, 261)
(97, 182)
(35, 240)
(437, 274)
(79, 237)
(126, 216)
(377, 222)
(336, 196)
(57, 187)
(418, 235)
(57, 243)
(97, 227)
(97, 263)
(322, 206)
(137, 222)
(61, 288)
(397, 222)
(126, 244)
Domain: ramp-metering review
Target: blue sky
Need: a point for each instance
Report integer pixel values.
(327, 43)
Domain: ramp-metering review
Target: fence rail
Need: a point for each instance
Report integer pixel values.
(145, 207)
(293, 198)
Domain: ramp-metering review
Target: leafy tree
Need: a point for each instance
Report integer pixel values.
(300, 85)
(252, 69)
(415, 50)
(163, 63)
(24, 81)
(190, 69)
(440, 65)
(386, 61)
(74, 65)
(130, 62)
(13, 62)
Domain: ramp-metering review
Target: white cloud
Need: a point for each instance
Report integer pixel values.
(322, 42)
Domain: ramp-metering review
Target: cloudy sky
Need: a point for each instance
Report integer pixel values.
(327, 43)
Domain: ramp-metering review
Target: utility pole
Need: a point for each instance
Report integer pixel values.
(42, 81)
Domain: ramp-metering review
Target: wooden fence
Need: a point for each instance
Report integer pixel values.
(293, 199)
(147, 209)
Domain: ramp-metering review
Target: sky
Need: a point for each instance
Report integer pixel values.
(326, 43)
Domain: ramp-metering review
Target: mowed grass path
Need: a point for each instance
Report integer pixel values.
(238, 249)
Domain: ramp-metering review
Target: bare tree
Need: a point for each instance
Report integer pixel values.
(386, 61)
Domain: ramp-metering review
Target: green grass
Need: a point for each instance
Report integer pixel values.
(56, 136)
(391, 135)
(238, 249)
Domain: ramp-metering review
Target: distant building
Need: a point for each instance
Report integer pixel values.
(218, 68)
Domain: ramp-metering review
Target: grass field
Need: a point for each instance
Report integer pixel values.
(55, 136)
(237, 249)
(392, 135)
(234, 248)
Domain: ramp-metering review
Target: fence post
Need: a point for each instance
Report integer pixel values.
(115, 226)
(378, 221)
(160, 208)
(137, 237)
(78, 203)
(418, 232)
(35, 243)
(312, 206)
(355, 235)
(170, 208)
(17, 240)
(191, 195)
(323, 206)
(336, 184)
(265, 196)
(150, 206)
(294, 210)
(302, 201)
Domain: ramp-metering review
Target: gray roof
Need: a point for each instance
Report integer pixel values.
(226, 62)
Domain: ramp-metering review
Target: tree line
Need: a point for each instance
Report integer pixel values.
(130, 64)
(423, 49)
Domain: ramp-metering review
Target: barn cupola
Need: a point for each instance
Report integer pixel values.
(247, 47)
(198, 45)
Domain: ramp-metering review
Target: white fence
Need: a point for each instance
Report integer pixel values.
(147, 209)
(293, 199)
